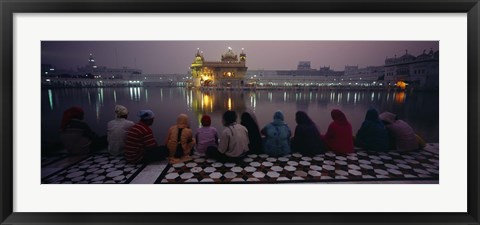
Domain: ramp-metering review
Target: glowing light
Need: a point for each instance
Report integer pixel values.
(402, 85)
(47, 80)
(50, 98)
(101, 94)
(146, 95)
(229, 104)
(400, 97)
(207, 102)
(131, 93)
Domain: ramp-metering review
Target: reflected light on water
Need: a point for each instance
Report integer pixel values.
(89, 98)
(190, 96)
(207, 103)
(421, 109)
(50, 98)
(135, 93)
(100, 95)
(97, 110)
(400, 97)
(146, 95)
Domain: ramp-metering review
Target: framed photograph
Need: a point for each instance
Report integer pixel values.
(239, 112)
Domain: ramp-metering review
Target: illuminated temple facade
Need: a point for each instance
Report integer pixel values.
(229, 72)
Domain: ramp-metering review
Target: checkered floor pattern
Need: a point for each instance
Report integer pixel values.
(329, 167)
(360, 166)
(96, 169)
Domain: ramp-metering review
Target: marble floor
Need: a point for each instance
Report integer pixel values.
(420, 167)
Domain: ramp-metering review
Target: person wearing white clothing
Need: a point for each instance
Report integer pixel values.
(233, 140)
(117, 130)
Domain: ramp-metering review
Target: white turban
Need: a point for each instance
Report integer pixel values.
(121, 110)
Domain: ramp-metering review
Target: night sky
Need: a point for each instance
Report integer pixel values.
(162, 57)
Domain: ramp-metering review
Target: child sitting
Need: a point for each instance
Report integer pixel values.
(206, 136)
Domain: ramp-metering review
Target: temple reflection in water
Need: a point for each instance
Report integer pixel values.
(215, 103)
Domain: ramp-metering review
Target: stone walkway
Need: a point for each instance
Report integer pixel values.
(361, 167)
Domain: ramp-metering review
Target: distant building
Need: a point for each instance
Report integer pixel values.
(229, 72)
(369, 73)
(49, 70)
(91, 70)
(422, 70)
(304, 65)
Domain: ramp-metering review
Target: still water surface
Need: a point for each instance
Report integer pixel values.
(419, 109)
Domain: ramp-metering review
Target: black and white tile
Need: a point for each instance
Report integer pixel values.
(328, 167)
(96, 169)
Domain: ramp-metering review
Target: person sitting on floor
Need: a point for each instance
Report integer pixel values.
(277, 136)
(307, 139)
(372, 135)
(77, 137)
(249, 121)
(180, 140)
(402, 136)
(117, 130)
(233, 140)
(339, 137)
(140, 145)
(206, 136)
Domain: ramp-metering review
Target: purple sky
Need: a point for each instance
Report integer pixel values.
(176, 56)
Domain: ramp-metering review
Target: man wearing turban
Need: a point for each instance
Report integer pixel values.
(117, 130)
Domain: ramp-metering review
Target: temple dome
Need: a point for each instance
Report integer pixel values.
(229, 55)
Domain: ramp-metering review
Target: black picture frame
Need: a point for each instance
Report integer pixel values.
(10, 7)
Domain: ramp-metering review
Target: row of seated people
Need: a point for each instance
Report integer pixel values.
(382, 132)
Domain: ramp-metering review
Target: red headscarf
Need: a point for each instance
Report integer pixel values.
(338, 116)
(69, 114)
(206, 120)
(339, 134)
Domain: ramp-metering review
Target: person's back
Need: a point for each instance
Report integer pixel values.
(339, 136)
(138, 139)
(403, 135)
(234, 141)
(205, 137)
(74, 141)
(182, 129)
(277, 136)
(307, 139)
(76, 135)
(372, 135)
(116, 132)
(255, 139)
